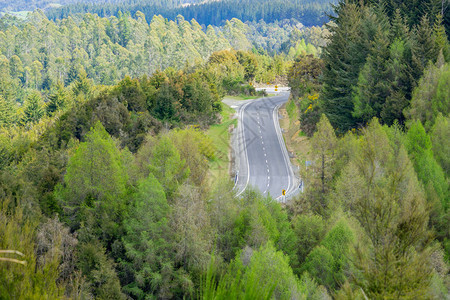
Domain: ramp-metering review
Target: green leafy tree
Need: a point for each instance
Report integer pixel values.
(36, 73)
(441, 143)
(82, 85)
(430, 173)
(165, 103)
(260, 274)
(167, 166)
(200, 100)
(319, 175)
(72, 75)
(286, 240)
(304, 75)
(320, 265)
(329, 261)
(9, 88)
(303, 80)
(34, 109)
(99, 271)
(380, 188)
(124, 29)
(250, 63)
(131, 94)
(224, 210)
(192, 230)
(16, 66)
(7, 112)
(431, 96)
(419, 146)
(147, 241)
(310, 230)
(192, 145)
(338, 241)
(29, 279)
(93, 194)
(58, 99)
(256, 224)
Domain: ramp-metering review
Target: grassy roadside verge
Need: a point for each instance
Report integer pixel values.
(220, 135)
(297, 143)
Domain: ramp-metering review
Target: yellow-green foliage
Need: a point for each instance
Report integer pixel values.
(32, 280)
(292, 110)
(261, 274)
(196, 148)
(380, 189)
(220, 137)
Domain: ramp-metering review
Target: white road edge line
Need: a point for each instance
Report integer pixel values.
(280, 141)
(241, 116)
(282, 145)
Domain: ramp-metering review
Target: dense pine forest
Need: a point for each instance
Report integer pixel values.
(24, 5)
(113, 129)
(310, 13)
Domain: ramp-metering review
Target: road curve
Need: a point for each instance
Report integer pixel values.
(261, 155)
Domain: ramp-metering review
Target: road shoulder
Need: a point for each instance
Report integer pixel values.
(297, 143)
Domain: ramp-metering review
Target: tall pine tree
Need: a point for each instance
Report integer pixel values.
(7, 112)
(34, 109)
(343, 58)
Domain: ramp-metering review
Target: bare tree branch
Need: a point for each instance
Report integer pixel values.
(22, 262)
(12, 252)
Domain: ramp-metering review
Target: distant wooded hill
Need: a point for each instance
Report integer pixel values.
(308, 12)
(27, 5)
(40, 53)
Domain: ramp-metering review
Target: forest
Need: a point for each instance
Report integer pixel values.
(308, 12)
(25, 5)
(106, 157)
(39, 53)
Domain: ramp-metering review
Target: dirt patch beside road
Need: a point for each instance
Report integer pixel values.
(297, 144)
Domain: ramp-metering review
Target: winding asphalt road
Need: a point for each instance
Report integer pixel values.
(261, 156)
